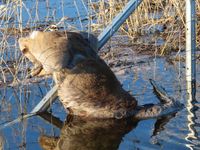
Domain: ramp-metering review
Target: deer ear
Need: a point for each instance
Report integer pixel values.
(24, 44)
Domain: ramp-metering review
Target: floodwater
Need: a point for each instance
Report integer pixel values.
(54, 131)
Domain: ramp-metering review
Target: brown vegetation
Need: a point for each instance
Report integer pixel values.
(159, 23)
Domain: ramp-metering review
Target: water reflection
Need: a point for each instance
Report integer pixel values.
(77, 133)
(192, 110)
(88, 134)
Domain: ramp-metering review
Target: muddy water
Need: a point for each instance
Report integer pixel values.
(177, 131)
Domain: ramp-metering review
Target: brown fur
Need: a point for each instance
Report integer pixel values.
(89, 88)
(52, 51)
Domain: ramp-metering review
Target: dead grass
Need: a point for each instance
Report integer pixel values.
(160, 23)
(155, 26)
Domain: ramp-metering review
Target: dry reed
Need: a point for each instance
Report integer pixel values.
(158, 24)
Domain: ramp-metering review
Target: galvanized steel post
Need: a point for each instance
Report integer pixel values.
(191, 47)
(117, 22)
(191, 68)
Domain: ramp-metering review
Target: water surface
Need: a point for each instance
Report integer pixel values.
(177, 131)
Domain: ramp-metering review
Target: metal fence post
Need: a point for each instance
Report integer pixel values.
(191, 47)
(117, 22)
(191, 67)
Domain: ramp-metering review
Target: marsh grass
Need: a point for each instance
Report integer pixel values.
(155, 27)
(155, 24)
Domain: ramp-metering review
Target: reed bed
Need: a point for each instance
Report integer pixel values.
(155, 25)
